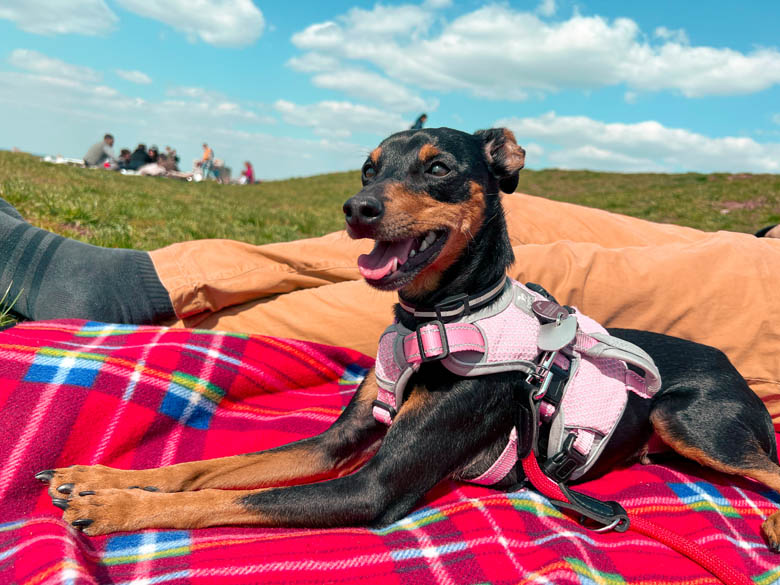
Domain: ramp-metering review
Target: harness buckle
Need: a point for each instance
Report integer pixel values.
(445, 347)
(384, 406)
(541, 377)
(560, 466)
(452, 303)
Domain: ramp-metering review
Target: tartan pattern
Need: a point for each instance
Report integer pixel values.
(55, 366)
(191, 400)
(77, 392)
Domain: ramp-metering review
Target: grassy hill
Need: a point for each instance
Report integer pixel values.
(110, 209)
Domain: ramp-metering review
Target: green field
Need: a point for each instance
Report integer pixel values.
(110, 209)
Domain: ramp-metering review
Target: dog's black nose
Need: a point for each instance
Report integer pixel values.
(363, 210)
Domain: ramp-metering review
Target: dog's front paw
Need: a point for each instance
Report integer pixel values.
(107, 511)
(771, 530)
(67, 481)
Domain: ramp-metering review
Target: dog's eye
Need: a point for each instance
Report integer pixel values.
(369, 172)
(438, 169)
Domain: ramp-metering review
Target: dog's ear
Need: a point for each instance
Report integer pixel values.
(504, 157)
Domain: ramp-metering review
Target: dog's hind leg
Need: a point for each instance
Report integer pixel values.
(730, 432)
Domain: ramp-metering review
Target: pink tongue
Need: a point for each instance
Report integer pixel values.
(379, 263)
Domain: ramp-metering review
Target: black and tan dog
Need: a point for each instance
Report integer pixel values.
(437, 193)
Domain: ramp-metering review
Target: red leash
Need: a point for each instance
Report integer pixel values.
(682, 545)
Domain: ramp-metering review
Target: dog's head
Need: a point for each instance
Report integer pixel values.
(426, 197)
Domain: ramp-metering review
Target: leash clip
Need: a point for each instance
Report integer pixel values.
(541, 377)
(608, 514)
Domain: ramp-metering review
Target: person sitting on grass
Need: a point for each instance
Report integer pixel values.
(100, 152)
(139, 158)
(123, 161)
(248, 174)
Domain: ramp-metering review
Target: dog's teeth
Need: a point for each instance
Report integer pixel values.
(412, 253)
(424, 245)
(430, 238)
(395, 264)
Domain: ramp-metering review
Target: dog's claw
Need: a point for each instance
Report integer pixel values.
(87, 493)
(65, 488)
(151, 488)
(60, 503)
(82, 523)
(45, 475)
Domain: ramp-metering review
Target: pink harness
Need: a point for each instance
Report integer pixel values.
(581, 378)
(581, 372)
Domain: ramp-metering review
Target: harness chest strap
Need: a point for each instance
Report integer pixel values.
(433, 341)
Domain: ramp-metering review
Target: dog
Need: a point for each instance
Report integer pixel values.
(431, 200)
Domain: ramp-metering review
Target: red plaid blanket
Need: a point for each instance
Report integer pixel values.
(133, 397)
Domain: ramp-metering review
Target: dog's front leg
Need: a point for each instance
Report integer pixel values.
(352, 439)
(418, 452)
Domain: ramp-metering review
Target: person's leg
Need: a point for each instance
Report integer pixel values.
(53, 277)
(9, 209)
(205, 276)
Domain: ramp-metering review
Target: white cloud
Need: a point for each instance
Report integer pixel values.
(675, 35)
(502, 53)
(59, 94)
(44, 65)
(533, 150)
(134, 76)
(193, 92)
(53, 17)
(547, 8)
(374, 89)
(207, 104)
(222, 23)
(330, 73)
(313, 62)
(776, 118)
(581, 142)
(340, 118)
(595, 158)
(388, 21)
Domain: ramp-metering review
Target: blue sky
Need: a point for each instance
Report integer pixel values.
(301, 88)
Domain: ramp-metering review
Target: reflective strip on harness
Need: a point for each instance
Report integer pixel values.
(437, 341)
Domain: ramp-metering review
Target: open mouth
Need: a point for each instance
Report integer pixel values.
(393, 264)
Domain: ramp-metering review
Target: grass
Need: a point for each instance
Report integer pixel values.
(6, 304)
(145, 213)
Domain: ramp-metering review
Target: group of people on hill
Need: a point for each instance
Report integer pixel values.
(153, 162)
(168, 160)
(101, 154)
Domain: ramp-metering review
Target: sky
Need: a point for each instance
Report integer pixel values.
(308, 87)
